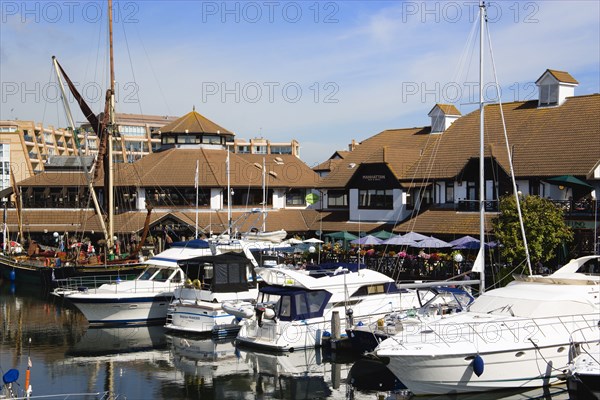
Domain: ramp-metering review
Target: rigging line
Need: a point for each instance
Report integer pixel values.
(149, 64)
(510, 159)
(131, 66)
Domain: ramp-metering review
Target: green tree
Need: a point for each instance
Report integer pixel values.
(545, 228)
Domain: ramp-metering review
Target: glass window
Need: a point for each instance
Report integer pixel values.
(449, 192)
(295, 197)
(337, 198)
(376, 199)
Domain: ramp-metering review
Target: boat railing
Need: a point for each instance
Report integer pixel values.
(492, 330)
(83, 284)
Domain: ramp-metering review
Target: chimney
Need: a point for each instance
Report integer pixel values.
(554, 87)
(352, 145)
(442, 116)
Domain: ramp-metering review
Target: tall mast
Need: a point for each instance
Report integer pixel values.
(481, 150)
(264, 195)
(110, 130)
(228, 195)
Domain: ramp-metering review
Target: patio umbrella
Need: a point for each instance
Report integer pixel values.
(463, 240)
(383, 234)
(400, 241)
(313, 240)
(367, 240)
(473, 245)
(568, 180)
(343, 235)
(415, 236)
(432, 243)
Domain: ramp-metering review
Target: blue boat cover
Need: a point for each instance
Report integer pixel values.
(192, 244)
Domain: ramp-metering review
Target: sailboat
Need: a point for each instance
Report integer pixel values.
(517, 336)
(48, 268)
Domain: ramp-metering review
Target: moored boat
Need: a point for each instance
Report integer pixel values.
(434, 303)
(140, 301)
(212, 280)
(295, 307)
(526, 325)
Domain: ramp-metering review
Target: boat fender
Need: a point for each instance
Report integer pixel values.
(13, 275)
(478, 365)
(326, 334)
(12, 375)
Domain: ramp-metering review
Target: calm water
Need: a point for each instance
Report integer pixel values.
(148, 363)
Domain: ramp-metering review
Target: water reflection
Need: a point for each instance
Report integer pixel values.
(146, 362)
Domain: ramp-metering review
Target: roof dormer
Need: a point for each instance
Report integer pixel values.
(442, 116)
(554, 87)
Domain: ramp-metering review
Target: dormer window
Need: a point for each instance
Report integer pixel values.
(554, 87)
(442, 116)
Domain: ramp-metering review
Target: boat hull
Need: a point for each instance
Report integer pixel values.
(124, 310)
(426, 374)
(201, 317)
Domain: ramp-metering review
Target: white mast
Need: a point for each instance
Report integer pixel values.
(196, 185)
(264, 196)
(228, 196)
(481, 155)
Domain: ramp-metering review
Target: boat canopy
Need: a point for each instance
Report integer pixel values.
(297, 303)
(223, 273)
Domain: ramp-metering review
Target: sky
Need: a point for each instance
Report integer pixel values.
(321, 72)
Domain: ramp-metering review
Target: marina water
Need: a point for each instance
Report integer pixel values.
(147, 362)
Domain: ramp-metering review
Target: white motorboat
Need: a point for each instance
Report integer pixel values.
(295, 307)
(435, 303)
(196, 306)
(142, 300)
(515, 336)
(583, 376)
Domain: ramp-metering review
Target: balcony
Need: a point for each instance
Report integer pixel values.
(28, 138)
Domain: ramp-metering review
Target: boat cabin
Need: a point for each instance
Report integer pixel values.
(224, 273)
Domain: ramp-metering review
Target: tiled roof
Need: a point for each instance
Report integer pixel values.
(177, 167)
(448, 109)
(404, 147)
(561, 76)
(544, 142)
(445, 222)
(193, 122)
(291, 220)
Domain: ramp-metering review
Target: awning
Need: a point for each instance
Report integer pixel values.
(568, 180)
(6, 192)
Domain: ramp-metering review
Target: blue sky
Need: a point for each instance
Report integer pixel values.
(322, 73)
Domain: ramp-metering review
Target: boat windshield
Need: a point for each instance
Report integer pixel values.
(148, 273)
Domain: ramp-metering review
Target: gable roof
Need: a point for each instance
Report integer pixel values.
(193, 122)
(561, 76)
(544, 142)
(177, 167)
(447, 109)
